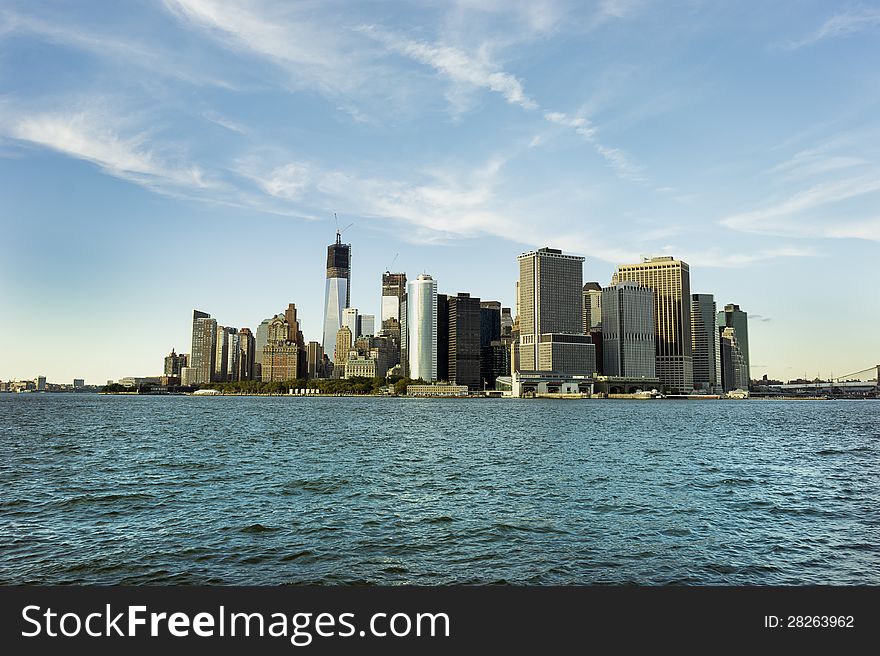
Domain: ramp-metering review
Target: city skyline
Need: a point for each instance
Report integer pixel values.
(147, 153)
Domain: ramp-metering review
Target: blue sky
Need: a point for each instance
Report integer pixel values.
(157, 157)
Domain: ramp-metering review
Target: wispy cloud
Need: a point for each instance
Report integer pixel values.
(717, 258)
(97, 137)
(815, 161)
(840, 25)
(111, 48)
(458, 66)
(315, 52)
(617, 159)
(795, 216)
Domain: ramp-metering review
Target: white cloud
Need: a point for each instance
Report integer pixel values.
(840, 25)
(470, 70)
(617, 159)
(311, 50)
(717, 258)
(288, 181)
(94, 136)
(813, 162)
(113, 49)
(803, 213)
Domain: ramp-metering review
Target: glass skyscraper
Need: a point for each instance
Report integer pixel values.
(337, 293)
(420, 326)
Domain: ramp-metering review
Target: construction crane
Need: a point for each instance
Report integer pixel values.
(338, 231)
(392, 263)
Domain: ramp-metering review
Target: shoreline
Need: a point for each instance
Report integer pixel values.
(562, 397)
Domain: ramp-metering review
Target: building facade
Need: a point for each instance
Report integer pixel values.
(628, 348)
(393, 290)
(350, 319)
(592, 306)
(464, 340)
(344, 341)
(281, 356)
(248, 345)
(670, 280)
(733, 367)
(550, 302)
(337, 292)
(420, 326)
(366, 324)
(174, 363)
(706, 344)
(204, 347)
(315, 360)
(734, 317)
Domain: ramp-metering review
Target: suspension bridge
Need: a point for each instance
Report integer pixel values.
(864, 381)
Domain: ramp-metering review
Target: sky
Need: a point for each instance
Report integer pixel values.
(161, 156)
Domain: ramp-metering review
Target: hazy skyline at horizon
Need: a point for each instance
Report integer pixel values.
(163, 156)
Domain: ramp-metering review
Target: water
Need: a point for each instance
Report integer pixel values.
(250, 490)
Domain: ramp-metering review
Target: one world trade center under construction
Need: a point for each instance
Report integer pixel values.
(337, 291)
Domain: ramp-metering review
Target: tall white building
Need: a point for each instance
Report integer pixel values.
(628, 331)
(337, 293)
(350, 321)
(670, 279)
(419, 325)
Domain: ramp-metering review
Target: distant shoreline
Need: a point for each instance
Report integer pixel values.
(474, 398)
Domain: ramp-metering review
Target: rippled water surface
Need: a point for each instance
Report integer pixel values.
(258, 490)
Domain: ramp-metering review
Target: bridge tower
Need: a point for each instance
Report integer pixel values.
(877, 380)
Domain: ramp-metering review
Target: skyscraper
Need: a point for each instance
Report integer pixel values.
(442, 370)
(221, 354)
(260, 342)
(738, 320)
(294, 334)
(281, 356)
(233, 363)
(733, 369)
(350, 319)
(248, 354)
(344, 340)
(367, 324)
(551, 336)
(592, 306)
(706, 343)
(628, 349)
(337, 293)
(670, 280)
(420, 326)
(203, 352)
(464, 340)
(393, 289)
(315, 360)
(490, 322)
(175, 363)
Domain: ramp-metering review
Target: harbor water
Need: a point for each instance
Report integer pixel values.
(100, 489)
